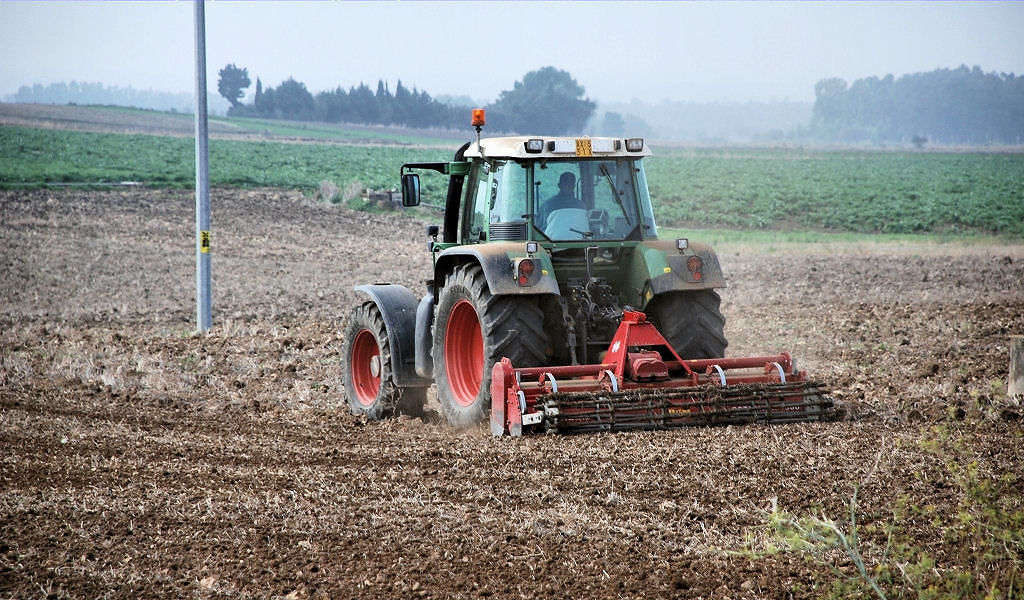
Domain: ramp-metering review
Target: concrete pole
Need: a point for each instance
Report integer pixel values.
(1016, 385)
(204, 319)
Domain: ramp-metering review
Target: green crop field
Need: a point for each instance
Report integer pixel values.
(898, 192)
(40, 157)
(856, 191)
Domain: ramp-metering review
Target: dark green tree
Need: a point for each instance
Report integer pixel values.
(364, 104)
(405, 108)
(333, 106)
(232, 83)
(385, 104)
(293, 101)
(547, 101)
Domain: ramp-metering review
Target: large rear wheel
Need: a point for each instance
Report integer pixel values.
(691, 321)
(472, 331)
(370, 388)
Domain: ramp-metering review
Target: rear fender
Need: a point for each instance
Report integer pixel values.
(496, 261)
(666, 268)
(398, 305)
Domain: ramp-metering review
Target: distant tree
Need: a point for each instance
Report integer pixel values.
(264, 104)
(293, 101)
(462, 100)
(97, 93)
(945, 106)
(385, 103)
(613, 124)
(828, 97)
(232, 83)
(333, 106)
(547, 101)
(403, 109)
(364, 104)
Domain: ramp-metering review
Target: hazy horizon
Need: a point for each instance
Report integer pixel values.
(653, 51)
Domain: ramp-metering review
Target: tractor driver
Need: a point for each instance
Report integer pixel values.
(565, 198)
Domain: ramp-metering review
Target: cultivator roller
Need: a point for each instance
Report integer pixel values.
(642, 383)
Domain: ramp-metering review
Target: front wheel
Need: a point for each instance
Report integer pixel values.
(370, 388)
(472, 331)
(691, 322)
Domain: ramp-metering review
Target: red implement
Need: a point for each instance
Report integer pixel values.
(642, 383)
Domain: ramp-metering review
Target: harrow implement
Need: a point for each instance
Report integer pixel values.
(642, 383)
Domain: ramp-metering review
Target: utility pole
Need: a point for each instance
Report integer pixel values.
(204, 319)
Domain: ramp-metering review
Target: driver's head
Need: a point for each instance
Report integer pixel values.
(567, 182)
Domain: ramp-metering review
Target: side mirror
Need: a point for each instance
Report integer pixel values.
(410, 189)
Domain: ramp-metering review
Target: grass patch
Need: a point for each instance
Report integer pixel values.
(974, 549)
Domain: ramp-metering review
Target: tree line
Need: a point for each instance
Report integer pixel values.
(84, 92)
(547, 101)
(948, 106)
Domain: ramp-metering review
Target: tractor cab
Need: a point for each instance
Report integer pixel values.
(556, 190)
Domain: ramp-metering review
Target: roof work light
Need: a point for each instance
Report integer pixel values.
(635, 144)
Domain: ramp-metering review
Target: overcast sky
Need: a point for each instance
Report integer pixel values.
(689, 51)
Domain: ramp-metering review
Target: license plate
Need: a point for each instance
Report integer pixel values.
(583, 147)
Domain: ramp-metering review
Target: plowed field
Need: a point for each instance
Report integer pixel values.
(140, 459)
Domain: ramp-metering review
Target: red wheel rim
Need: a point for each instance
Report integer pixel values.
(365, 367)
(464, 353)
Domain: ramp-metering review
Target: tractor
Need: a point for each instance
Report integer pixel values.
(554, 306)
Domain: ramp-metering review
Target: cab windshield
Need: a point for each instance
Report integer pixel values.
(563, 200)
(586, 200)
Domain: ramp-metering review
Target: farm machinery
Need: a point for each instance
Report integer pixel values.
(553, 305)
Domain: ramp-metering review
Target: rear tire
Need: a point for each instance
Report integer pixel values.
(692, 322)
(472, 331)
(370, 388)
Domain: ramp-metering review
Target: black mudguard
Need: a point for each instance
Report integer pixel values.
(398, 307)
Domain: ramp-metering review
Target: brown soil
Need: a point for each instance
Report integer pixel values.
(140, 459)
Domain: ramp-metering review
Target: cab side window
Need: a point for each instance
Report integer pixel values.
(478, 193)
(508, 199)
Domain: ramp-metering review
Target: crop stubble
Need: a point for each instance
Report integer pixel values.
(141, 459)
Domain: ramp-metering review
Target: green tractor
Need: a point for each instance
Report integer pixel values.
(546, 243)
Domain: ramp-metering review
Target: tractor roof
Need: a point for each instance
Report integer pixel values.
(558, 147)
